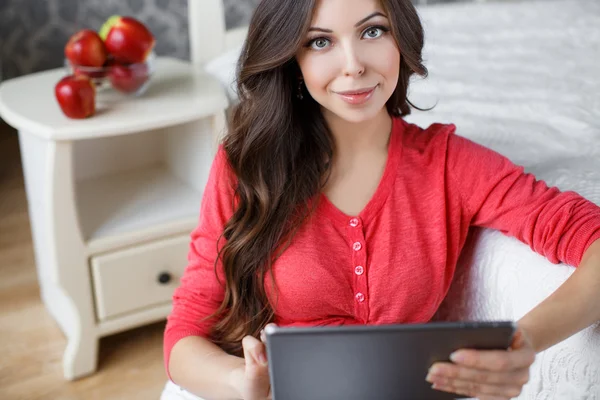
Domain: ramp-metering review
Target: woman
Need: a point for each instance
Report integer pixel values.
(325, 207)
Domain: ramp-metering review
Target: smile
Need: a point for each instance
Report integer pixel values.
(358, 96)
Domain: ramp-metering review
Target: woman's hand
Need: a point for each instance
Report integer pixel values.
(486, 374)
(252, 380)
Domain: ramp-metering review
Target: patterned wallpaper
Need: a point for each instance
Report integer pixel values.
(33, 32)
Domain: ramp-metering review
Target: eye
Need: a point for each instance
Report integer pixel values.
(318, 43)
(374, 32)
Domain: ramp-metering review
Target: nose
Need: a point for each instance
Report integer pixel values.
(353, 65)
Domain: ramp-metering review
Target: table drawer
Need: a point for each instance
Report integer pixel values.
(138, 277)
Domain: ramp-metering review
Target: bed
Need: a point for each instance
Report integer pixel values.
(523, 78)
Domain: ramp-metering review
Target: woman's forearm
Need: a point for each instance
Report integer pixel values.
(204, 369)
(571, 308)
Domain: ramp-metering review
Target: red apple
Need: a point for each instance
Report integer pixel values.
(76, 95)
(127, 39)
(128, 78)
(85, 48)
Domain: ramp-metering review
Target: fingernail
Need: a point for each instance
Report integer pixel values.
(457, 357)
(436, 370)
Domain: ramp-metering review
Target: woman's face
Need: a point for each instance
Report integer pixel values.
(350, 62)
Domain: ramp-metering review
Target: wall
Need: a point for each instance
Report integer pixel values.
(33, 32)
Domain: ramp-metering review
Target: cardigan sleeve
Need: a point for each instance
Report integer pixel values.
(498, 194)
(200, 292)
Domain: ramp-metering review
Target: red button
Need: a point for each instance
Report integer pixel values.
(354, 222)
(357, 246)
(359, 270)
(360, 297)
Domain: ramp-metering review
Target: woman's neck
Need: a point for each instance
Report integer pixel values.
(356, 139)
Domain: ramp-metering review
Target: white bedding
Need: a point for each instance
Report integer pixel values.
(522, 78)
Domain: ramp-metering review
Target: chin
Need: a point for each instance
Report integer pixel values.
(356, 115)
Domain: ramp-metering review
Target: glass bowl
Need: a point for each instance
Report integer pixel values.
(114, 78)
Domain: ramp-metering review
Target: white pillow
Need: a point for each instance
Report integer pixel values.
(223, 68)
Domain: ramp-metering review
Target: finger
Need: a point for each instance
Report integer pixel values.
(263, 335)
(452, 390)
(495, 360)
(452, 371)
(490, 397)
(257, 372)
(473, 389)
(254, 351)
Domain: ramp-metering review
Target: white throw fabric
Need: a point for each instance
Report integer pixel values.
(173, 391)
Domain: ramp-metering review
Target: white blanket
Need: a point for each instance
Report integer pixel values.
(522, 78)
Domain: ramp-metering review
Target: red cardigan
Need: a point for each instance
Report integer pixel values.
(394, 262)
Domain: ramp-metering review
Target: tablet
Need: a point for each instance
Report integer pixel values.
(363, 362)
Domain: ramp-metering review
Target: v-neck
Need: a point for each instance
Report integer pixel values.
(383, 189)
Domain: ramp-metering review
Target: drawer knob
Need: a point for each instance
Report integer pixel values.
(164, 278)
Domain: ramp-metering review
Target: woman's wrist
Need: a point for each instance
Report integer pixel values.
(236, 377)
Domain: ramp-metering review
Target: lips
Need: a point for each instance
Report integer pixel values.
(357, 96)
(357, 91)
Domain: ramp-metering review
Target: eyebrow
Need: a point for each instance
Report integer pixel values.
(359, 23)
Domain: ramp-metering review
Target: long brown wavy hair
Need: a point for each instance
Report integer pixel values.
(278, 146)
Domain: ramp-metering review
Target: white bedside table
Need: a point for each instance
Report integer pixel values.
(112, 198)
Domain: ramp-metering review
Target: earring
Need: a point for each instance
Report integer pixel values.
(299, 95)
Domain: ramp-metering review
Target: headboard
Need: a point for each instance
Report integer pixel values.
(209, 37)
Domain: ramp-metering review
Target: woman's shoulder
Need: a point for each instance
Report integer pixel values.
(221, 172)
(421, 139)
(221, 160)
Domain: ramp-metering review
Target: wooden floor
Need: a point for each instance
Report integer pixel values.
(31, 344)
